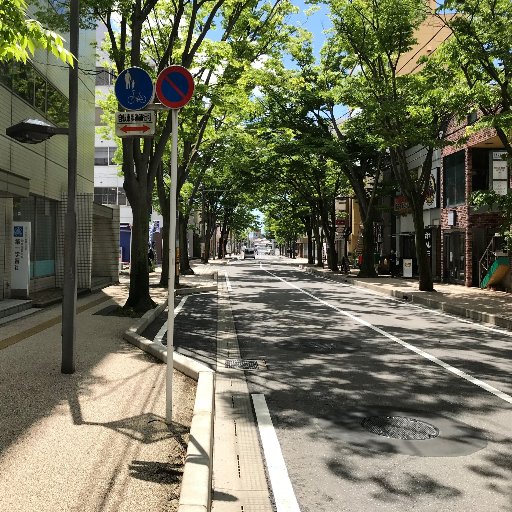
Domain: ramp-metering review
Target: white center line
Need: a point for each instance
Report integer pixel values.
(228, 284)
(426, 355)
(161, 333)
(282, 489)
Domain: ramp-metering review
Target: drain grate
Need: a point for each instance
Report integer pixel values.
(400, 427)
(242, 364)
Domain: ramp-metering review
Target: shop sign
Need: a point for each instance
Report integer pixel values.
(432, 192)
(401, 205)
(20, 265)
(499, 173)
(428, 242)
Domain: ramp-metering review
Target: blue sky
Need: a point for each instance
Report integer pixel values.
(315, 23)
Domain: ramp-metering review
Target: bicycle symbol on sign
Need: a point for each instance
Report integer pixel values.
(136, 97)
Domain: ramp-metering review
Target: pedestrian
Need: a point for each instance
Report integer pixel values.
(151, 259)
(392, 263)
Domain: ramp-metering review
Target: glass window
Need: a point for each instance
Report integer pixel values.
(42, 214)
(57, 106)
(40, 92)
(105, 195)
(479, 169)
(23, 82)
(100, 156)
(104, 155)
(454, 179)
(121, 197)
(5, 74)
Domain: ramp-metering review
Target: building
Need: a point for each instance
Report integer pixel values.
(33, 179)
(466, 232)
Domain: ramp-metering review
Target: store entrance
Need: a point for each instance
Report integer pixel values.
(455, 257)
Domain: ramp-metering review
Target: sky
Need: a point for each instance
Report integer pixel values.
(315, 23)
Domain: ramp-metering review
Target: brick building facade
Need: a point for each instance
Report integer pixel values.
(465, 232)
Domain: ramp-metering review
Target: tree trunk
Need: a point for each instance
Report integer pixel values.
(426, 283)
(139, 298)
(318, 243)
(368, 265)
(309, 231)
(185, 268)
(164, 277)
(163, 200)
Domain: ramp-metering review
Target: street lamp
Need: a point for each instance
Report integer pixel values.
(34, 131)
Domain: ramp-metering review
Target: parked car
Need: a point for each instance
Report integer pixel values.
(249, 253)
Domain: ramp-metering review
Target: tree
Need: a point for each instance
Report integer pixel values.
(21, 36)
(226, 80)
(479, 52)
(402, 111)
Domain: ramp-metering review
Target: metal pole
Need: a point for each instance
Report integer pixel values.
(172, 264)
(69, 285)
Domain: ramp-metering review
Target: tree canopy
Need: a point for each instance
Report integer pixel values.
(21, 36)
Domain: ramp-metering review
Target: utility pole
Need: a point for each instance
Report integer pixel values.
(69, 288)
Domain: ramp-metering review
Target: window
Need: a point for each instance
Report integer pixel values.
(121, 197)
(471, 118)
(105, 195)
(104, 155)
(479, 169)
(42, 214)
(454, 179)
(25, 81)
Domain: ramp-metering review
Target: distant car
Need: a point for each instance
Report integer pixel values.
(249, 253)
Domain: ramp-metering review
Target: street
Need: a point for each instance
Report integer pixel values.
(342, 362)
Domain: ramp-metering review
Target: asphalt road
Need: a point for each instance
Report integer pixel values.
(342, 361)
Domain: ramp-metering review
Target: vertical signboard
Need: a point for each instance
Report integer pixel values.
(432, 192)
(499, 173)
(20, 261)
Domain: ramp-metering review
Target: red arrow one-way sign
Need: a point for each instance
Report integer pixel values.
(135, 124)
(144, 128)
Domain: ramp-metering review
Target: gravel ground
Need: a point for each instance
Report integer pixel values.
(95, 440)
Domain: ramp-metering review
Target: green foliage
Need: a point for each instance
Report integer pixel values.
(479, 52)
(21, 36)
(503, 204)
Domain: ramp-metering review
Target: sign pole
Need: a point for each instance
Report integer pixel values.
(172, 263)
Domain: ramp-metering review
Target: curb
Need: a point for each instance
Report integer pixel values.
(414, 297)
(196, 485)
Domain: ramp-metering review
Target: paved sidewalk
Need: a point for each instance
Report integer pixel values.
(95, 440)
(477, 304)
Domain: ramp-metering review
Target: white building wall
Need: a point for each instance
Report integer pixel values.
(45, 164)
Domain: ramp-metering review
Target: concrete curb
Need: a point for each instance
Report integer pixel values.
(417, 297)
(196, 485)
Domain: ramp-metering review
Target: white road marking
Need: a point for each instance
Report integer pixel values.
(403, 302)
(426, 355)
(161, 333)
(228, 284)
(282, 489)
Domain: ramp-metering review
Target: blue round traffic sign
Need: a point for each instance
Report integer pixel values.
(134, 88)
(174, 86)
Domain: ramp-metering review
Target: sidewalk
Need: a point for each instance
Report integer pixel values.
(95, 440)
(477, 304)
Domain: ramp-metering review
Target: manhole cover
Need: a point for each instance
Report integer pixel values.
(400, 427)
(242, 364)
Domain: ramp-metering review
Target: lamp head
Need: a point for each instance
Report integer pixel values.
(34, 131)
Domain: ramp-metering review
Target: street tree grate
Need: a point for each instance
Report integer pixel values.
(242, 364)
(399, 427)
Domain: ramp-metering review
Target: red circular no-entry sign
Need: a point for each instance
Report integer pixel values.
(174, 86)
